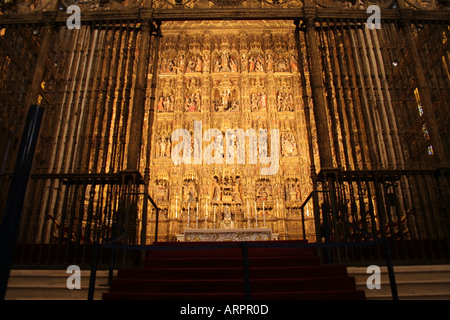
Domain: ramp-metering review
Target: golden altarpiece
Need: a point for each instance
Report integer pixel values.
(361, 117)
(215, 73)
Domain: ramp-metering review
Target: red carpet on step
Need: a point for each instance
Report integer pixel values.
(217, 274)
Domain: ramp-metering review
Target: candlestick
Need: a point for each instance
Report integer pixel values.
(196, 224)
(278, 211)
(264, 214)
(189, 213)
(206, 215)
(214, 217)
(248, 215)
(176, 208)
(256, 216)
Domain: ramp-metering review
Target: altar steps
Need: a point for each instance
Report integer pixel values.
(230, 262)
(217, 274)
(230, 273)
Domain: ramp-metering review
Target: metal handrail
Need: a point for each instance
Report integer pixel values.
(376, 240)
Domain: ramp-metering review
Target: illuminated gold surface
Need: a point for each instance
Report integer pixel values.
(230, 75)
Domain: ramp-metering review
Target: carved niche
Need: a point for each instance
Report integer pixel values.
(225, 94)
(163, 141)
(192, 95)
(166, 96)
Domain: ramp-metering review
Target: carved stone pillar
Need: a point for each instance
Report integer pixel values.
(320, 114)
(137, 115)
(424, 90)
(309, 135)
(38, 73)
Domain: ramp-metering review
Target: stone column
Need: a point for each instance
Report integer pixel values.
(38, 73)
(424, 90)
(137, 115)
(320, 114)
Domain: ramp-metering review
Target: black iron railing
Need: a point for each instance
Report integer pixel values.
(65, 214)
(408, 209)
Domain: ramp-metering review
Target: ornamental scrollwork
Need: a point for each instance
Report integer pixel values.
(96, 5)
(428, 4)
(23, 6)
(353, 4)
(191, 4)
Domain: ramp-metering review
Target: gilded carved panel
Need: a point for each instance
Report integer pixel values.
(218, 85)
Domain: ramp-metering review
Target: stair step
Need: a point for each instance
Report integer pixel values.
(427, 282)
(417, 296)
(169, 272)
(233, 285)
(291, 295)
(26, 292)
(52, 277)
(231, 273)
(406, 273)
(271, 261)
(409, 288)
(51, 285)
(161, 252)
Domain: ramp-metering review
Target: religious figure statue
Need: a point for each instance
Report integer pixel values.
(160, 107)
(172, 66)
(181, 63)
(163, 147)
(217, 64)
(244, 62)
(236, 193)
(190, 66)
(227, 221)
(192, 102)
(259, 66)
(165, 104)
(269, 63)
(162, 191)
(233, 64)
(282, 65)
(199, 65)
(294, 65)
(190, 192)
(258, 101)
(284, 101)
(288, 146)
(217, 191)
(263, 190)
(251, 64)
(292, 190)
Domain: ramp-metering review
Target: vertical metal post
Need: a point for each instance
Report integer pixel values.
(303, 223)
(14, 203)
(246, 270)
(156, 224)
(390, 268)
(93, 275)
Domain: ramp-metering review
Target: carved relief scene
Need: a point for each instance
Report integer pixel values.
(192, 96)
(225, 95)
